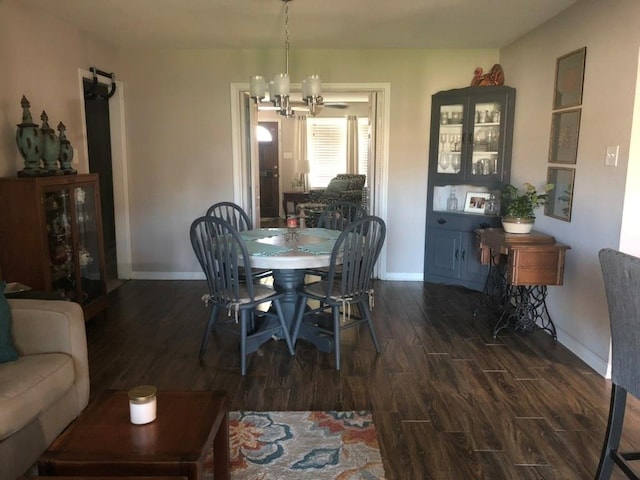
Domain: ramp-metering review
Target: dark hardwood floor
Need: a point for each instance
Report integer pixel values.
(449, 401)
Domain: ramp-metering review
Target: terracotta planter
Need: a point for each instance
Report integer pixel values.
(517, 224)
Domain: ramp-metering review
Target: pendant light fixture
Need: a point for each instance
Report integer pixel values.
(279, 87)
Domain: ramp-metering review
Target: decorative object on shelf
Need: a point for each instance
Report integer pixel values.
(493, 78)
(29, 141)
(66, 151)
(518, 207)
(50, 147)
(279, 86)
(452, 201)
(561, 196)
(569, 79)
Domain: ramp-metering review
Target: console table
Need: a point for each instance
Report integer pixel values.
(293, 199)
(521, 266)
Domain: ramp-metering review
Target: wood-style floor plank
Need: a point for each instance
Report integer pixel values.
(449, 401)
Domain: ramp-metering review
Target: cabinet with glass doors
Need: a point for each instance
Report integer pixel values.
(51, 237)
(469, 162)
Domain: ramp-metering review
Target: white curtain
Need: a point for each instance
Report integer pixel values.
(352, 144)
(301, 162)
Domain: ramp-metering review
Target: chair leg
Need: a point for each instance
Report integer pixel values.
(244, 314)
(613, 433)
(283, 324)
(207, 332)
(364, 312)
(335, 311)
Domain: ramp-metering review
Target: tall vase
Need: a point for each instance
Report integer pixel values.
(50, 147)
(29, 141)
(66, 151)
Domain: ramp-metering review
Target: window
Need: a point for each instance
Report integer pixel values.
(327, 148)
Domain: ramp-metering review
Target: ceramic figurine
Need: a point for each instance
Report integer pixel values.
(66, 151)
(50, 147)
(29, 141)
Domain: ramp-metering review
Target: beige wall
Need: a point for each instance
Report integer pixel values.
(180, 149)
(41, 57)
(609, 31)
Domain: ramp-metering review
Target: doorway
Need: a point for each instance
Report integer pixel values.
(268, 154)
(97, 122)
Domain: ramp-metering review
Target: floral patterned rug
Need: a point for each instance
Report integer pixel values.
(304, 445)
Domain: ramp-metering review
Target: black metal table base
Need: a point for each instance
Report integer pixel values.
(522, 308)
(525, 310)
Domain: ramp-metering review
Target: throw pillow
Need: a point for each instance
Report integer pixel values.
(337, 185)
(8, 352)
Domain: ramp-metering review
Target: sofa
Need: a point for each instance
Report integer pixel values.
(47, 386)
(344, 187)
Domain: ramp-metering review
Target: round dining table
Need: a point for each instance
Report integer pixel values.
(288, 253)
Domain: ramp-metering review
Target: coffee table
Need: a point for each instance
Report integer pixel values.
(102, 441)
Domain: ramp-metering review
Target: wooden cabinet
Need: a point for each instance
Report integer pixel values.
(292, 199)
(51, 237)
(469, 157)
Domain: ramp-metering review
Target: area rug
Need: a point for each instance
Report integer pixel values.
(304, 445)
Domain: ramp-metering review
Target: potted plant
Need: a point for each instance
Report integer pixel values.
(518, 207)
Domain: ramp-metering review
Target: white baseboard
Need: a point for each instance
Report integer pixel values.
(585, 354)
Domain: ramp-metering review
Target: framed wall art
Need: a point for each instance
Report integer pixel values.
(565, 129)
(560, 198)
(475, 202)
(569, 79)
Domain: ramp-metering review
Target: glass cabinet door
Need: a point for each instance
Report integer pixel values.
(450, 136)
(88, 243)
(485, 141)
(57, 208)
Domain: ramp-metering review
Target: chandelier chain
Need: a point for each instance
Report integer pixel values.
(286, 35)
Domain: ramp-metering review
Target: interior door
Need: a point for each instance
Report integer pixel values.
(99, 148)
(268, 154)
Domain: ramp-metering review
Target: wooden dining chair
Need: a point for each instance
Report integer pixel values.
(357, 250)
(221, 252)
(239, 219)
(621, 273)
(337, 216)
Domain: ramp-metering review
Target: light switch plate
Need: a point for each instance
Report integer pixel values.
(611, 156)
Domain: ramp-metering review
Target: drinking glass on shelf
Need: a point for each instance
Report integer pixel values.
(455, 163)
(458, 143)
(443, 162)
(443, 140)
(452, 138)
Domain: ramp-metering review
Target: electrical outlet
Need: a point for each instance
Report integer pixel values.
(611, 156)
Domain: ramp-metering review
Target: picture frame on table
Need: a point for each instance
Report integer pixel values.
(569, 79)
(475, 202)
(565, 131)
(560, 198)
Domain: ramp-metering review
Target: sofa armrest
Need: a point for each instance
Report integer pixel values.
(53, 326)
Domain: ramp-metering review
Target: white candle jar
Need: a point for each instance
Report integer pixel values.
(143, 404)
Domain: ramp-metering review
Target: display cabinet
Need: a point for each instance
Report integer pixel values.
(51, 237)
(469, 162)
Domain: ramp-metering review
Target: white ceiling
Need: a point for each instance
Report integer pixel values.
(349, 24)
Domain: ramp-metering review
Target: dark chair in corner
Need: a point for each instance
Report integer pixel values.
(221, 253)
(337, 216)
(621, 273)
(357, 249)
(238, 218)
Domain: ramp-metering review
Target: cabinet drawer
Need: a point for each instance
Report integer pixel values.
(536, 266)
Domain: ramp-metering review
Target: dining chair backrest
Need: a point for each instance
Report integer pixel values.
(621, 273)
(221, 253)
(232, 213)
(336, 216)
(356, 250)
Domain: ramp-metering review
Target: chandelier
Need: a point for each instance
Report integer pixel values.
(278, 88)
